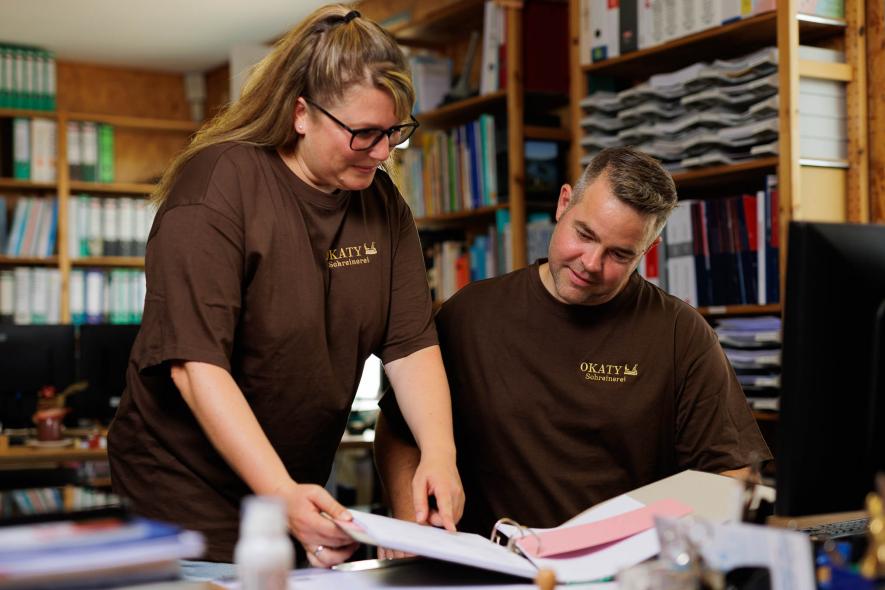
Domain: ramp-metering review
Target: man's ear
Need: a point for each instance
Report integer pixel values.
(565, 197)
(654, 242)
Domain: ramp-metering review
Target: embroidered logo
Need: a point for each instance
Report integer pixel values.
(612, 373)
(351, 255)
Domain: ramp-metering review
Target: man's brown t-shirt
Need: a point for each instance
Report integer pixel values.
(558, 407)
(288, 288)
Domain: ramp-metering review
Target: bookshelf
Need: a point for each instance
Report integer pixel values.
(445, 28)
(808, 189)
(150, 116)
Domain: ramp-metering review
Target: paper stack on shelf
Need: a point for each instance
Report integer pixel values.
(753, 346)
(703, 114)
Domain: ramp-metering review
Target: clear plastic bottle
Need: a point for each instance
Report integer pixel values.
(264, 553)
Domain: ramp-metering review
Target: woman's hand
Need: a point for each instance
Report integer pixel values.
(437, 476)
(307, 506)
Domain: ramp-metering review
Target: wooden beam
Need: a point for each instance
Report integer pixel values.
(63, 224)
(515, 137)
(875, 19)
(857, 206)
(577, 89)
(825, 70)
(789, 187)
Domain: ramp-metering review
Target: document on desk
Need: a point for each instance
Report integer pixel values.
(624, 536)
(464, 548)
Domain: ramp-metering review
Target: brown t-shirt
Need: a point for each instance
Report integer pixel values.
(558, 407)
(288, 288)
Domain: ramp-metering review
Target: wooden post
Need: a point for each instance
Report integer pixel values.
(857, 190)
(875, 19)
(789, 188)
(63, 225)
(577, 89)
(516, 133)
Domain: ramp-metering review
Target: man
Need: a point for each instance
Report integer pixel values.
(575, 380)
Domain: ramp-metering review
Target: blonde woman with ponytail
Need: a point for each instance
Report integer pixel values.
(281, 257)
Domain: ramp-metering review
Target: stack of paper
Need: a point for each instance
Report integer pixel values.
(722, 112)
(753, 345)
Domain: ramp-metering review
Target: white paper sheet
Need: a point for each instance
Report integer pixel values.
(463, 548)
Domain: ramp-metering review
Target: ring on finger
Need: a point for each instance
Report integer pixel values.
(319, 549)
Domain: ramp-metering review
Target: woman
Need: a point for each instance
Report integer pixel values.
(279, 260)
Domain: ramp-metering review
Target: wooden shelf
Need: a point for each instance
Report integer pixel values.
(726, 174)
(466, 214)
(117, 120)
(28, 261)
(110, 261)
(549, 133)
(31, 457)
(765, 415)
(440, 25)
(27, 185)
(136, 122)
(731, 310)
(113, 187)
(462, 111)
(9, 113)
(725, 42)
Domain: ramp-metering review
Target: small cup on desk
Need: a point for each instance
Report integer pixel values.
(49, 423)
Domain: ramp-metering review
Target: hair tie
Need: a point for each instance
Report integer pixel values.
(351, 15)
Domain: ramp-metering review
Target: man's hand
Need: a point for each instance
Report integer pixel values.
(325, 543)
(438, 477)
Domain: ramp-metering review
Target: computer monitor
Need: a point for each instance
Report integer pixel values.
(30, 358)
(832, 411)
(102, 361)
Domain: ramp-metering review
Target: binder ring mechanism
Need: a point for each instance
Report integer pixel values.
(497, 536)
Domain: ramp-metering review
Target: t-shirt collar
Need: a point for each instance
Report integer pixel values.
(302, 190)
(579, 312)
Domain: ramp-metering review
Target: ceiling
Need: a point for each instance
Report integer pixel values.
(165, 35)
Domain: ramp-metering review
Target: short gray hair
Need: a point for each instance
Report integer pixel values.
(635, 178)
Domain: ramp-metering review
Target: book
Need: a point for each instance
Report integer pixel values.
(93, 552)
(21, 148)
(88, 151)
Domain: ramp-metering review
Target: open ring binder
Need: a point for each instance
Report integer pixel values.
(496, 536)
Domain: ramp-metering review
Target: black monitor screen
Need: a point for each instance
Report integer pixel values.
(103, 358)
(31, 357)
(830, 441)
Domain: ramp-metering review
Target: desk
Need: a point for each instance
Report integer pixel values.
(407, 574)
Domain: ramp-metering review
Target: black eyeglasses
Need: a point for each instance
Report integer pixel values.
(362, 140)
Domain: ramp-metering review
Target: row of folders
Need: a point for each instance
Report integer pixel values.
(453, 262)
(51, 500)
(609, 29)
(32, 296)
(27, 78)
(453, 170)
(96, 227)
(721, 251)
(29, 150)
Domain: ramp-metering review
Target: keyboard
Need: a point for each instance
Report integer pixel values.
(836, 530)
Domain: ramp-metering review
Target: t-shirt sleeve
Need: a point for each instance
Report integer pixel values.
(194, 270)
(715, 430)
(410, 324)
